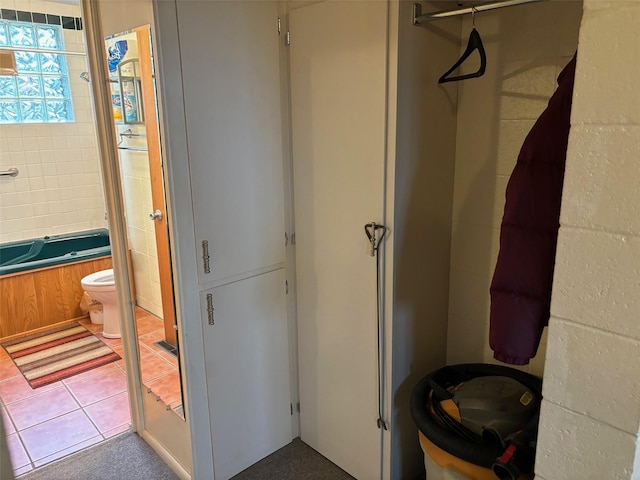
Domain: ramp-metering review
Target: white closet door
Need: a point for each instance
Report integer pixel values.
(247, 364)
(230, 65)
(338, 117)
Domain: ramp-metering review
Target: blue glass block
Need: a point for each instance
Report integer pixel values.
(49, 37)
(32, 110)
(22, 35)
(27, 62)
(4, 35)
(59, 111)
(30, 86)
(8, 87)
(9, 112)
(53, 63)
(56, 86)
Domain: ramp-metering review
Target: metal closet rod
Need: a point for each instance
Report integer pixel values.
(419, 18)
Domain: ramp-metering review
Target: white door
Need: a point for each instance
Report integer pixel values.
(338, 67)
(229, 54)
(247, 371)
(231, 74)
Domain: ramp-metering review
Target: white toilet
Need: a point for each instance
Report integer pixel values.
(101, 286)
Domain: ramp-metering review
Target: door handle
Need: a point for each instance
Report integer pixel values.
(157, 215)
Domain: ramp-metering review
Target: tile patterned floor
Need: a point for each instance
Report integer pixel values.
(61, 418)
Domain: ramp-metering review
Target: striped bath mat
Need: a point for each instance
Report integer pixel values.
(58, 353)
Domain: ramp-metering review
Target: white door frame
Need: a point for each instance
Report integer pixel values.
(112, 187)
(185, 248)
(106, 138)
(172, 115)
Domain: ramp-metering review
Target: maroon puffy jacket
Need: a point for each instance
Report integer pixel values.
(521, 286)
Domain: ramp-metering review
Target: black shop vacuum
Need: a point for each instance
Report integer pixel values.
(478, 422)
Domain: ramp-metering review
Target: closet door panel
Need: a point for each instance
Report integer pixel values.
(247, 364)
(230, 65)
(338, 75)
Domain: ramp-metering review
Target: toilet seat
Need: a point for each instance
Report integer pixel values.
(101, 278)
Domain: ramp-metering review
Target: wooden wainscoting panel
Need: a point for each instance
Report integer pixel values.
(44, 297)
(18, 304)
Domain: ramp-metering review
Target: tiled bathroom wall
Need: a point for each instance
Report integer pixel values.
(136, 190)
(526, 47)
(59, 187)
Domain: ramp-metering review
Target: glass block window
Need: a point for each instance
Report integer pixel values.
(40, 93)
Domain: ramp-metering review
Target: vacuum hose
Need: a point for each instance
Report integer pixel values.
(507, 463)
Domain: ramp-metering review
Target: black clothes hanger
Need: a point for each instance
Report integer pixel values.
(475, 43)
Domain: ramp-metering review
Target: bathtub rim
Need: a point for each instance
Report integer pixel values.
(51, 267)
(77, 256)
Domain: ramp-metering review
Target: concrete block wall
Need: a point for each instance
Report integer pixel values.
(527, 47)
(590, 415)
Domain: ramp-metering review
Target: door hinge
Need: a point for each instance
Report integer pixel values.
(291, 405)
(286, 239)
(287, 40)
(279, 25)
(286, 287)
(298, 407)
(210, 309)
(293, 239)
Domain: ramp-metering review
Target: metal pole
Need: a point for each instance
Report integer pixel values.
(419, 18)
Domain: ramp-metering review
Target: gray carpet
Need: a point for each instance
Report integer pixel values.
(125, 457)
(128, 457)
(296, 461)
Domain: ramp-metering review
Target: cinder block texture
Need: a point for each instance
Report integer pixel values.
(601, 179)
(608, 46)
(594, 372)
(573, 446)
(525, 47)
(597, 280)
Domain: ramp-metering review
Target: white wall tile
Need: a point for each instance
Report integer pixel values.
(18, 158)
(597, 289)
(13, 131)
(51, 182)
(573, 446)
(57, 149)
(49, 169)
(33, 157)
(59, 142)
(29, 131)
(45, 143)
(6, 186)
(601, 180)
(43, 130)
(22, 184)
(15, 144)
(34, 170)
(40, 209)
(593, 372)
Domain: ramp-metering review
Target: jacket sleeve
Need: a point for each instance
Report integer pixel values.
(522, 281)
